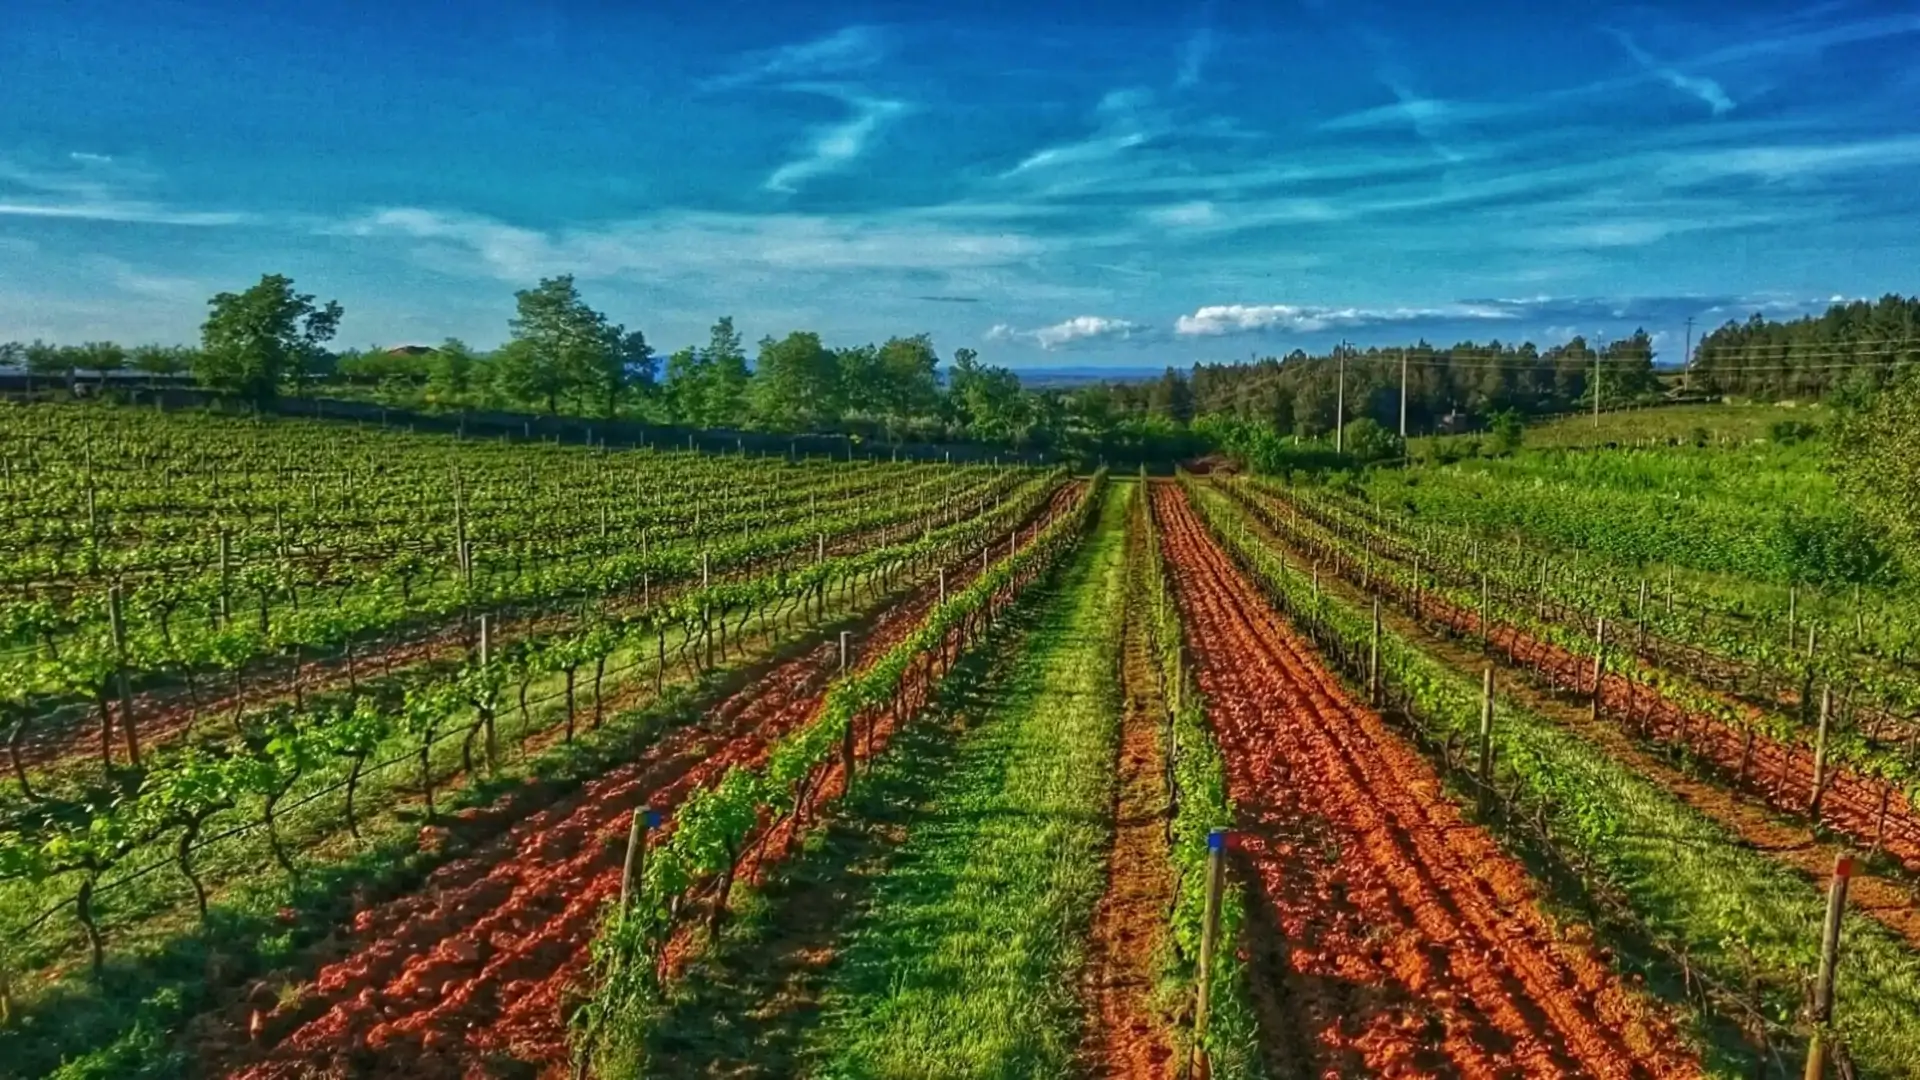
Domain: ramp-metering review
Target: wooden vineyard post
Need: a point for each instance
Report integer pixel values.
(1640, 638)
(117, 621)
(1419, 587)
(226, 578)
(486, 654)
(1485, 595)
(645, 820)
(1486, 730)
(1669, 590)
(1829, 958)
(1820, 752)
(1806, 682)
(1599, 662)
(1209, 935)
(1373, 658)
(843, 650)
(1793, 614)
(943, 585)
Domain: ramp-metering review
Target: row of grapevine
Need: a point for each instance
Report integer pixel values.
(1738, 936)
(715, 826)
(1198, 786)
(1878, 699)
(285, 758)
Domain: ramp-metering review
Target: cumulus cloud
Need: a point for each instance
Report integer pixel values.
(1080, 328)
(1220, 319)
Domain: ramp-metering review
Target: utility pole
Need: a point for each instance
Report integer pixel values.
(1596, 387)
(1340, 406)
(1403, 395)
(1686, 372)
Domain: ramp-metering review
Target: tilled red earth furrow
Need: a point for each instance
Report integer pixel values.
(1408, 943)
(475, 966)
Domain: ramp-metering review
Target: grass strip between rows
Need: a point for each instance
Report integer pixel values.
(713, 827)
(1694, 890)
(965, 963)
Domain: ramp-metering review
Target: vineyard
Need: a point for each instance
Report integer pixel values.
(345, 751)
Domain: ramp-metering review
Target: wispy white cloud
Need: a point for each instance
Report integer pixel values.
(1079, 329)
(1123, 121)
(1193, 57)
(1787, 161)
(126, 212)
(96, 190)
(847, 50)
(834, 146)
(1197, 213)
(133, 281)
(675, 244)
(1705, 89)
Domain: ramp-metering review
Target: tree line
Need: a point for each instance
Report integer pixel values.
(563, 356)
(1850, 351)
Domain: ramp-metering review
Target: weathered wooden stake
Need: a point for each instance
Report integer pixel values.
(226, 577)
(635, 868)
(943, 584)
(843, 650)
(118, 623)
(1829, 959)
(1486, 726)
(1373, 658)
(1820, 752)
(1209, 935)
(1599, 661)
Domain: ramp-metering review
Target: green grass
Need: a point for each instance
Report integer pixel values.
(963, 966)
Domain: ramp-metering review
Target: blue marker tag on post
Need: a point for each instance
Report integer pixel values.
(653, 819)
(1217, 840)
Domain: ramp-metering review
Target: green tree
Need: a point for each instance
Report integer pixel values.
(1873, 455)
(796, 383)
(44, 358)
(450, 372)
(255, 340)
(1172, 397)
(160, 359)
(724, 391)
(567, 346)
(637, 362)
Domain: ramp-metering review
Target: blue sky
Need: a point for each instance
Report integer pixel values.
(1050, 183)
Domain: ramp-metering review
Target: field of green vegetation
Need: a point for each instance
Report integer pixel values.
(345, 751)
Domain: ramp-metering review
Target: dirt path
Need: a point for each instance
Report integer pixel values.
(473, 972)
(1399, 940)
(1125, 1038)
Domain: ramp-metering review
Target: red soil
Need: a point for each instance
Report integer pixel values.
(1125, 1038)
(1401, 940)
(1777, 774)
(478, 968)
